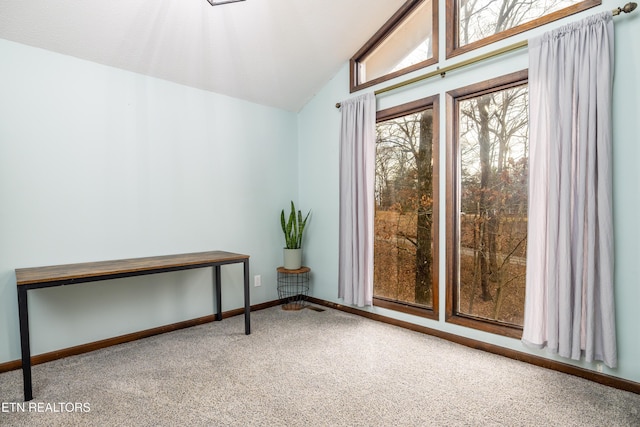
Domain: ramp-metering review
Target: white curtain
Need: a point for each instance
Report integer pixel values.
(569, 304)
(357, 174)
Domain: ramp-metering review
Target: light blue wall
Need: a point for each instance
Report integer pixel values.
(98, 163)
(319, 126)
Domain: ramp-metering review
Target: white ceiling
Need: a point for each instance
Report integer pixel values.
(273, 52)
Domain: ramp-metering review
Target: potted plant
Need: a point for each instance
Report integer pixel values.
(293, 229)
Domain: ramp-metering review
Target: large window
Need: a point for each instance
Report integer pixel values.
(487, 204)
(487, 166)
(405, 259)
(475, 23)
(408, 41)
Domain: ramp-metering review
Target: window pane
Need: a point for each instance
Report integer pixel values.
(404, 207)
(493, 141)
(483, 18)
(409, 44)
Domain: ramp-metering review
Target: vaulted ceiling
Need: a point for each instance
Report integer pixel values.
(273, 52)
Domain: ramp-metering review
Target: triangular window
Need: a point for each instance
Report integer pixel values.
(408, 41)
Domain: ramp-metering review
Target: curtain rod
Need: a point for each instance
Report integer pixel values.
(627, 8)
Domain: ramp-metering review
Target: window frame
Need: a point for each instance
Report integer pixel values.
(453, 202)
(394, 22)
(453, 23)
(432, 102)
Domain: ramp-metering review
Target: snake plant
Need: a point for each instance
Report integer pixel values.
(293, 227)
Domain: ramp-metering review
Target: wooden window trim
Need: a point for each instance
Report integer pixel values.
(452, 203)
(432, 102)
(452, 44)
(384, 32)
(407, 308)
(410, 108)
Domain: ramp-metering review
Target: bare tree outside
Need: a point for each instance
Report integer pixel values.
(404, 206)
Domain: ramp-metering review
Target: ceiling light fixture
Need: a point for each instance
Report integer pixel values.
(218, 3)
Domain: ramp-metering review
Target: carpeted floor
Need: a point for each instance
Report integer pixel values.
(305, 368)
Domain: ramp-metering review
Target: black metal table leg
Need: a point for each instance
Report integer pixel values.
(247, 300)
(23, 313)
(218, 288)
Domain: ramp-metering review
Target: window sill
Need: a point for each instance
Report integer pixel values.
(415, 310)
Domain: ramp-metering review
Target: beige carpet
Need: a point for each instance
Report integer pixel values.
(306, 368)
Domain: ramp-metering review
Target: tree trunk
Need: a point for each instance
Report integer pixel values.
(499, 276)
(424, 255)
(484, 142)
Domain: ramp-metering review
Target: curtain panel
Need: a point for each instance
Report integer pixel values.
(357, 175)
(569, 304)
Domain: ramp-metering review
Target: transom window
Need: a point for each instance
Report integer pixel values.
(475, 23)
(408, 41)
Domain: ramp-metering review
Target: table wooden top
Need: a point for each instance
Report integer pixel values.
(300, 270)
(85, 270)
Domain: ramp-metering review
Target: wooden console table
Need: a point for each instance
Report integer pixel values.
(59, 275)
